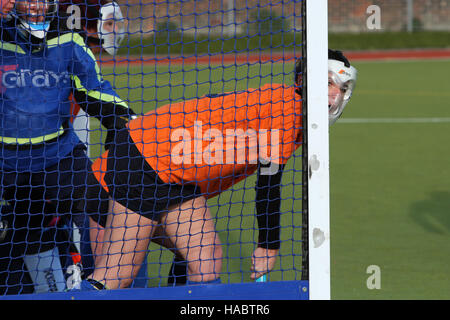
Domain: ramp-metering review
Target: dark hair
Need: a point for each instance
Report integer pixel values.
(332, 55)
(339, 56)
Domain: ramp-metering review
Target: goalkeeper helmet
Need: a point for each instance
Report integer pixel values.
(341, 82)
(34, 17)
(101, 19)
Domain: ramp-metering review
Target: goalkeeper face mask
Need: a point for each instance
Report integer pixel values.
(34, 16)
(341, 82)
(111, 29)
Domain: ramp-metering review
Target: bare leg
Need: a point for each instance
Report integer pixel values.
(190, 229)
(96, 234)
(126, 240)
(161, 238)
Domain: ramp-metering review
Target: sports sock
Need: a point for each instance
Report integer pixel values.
(178, 272)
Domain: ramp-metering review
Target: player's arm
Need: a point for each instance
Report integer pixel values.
(94, 94)
(268, 202)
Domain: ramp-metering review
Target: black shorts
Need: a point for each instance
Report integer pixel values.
(133, 183)
(68, 190)
(69, 185)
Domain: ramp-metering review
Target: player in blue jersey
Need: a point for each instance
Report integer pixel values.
(44, 171)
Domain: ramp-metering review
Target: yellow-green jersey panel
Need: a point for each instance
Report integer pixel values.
(36, 81)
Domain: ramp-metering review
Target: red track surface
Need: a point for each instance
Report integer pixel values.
(400, 54)
(259, 58)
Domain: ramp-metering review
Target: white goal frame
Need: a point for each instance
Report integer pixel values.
(318, 149)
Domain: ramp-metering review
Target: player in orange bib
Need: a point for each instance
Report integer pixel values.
(167, 163)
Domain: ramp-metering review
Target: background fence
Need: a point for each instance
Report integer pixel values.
(230, 26)
(396, 15)
(231, 16)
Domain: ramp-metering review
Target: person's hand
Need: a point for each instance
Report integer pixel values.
(114, 124)
(6, 6)
(113, 130)
(263, 261)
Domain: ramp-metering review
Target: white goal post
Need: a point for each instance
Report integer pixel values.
(318, 148)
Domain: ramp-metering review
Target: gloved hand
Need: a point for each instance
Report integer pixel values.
(3, 229)
(119, 124)
(116, 122)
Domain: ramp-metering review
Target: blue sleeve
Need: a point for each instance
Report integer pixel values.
(94, 94)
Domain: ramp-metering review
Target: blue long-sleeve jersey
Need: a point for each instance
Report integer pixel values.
(36, 83)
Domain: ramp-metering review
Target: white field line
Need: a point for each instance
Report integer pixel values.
(393, 120)
(399, 59)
